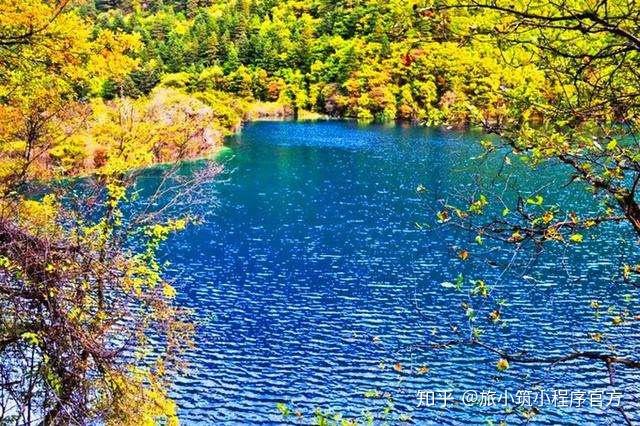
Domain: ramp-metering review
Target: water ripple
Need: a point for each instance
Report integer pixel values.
(307, 276)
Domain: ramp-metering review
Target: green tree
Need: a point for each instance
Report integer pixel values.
(232, 61)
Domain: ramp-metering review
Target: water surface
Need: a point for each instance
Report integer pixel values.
(311, 280)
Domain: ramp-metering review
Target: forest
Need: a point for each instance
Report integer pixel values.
(94, 92)
(367, 60)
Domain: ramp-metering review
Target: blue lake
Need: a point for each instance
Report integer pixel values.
(314, 286)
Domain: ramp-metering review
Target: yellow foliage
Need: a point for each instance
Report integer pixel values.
(110, 55)
(141, 400)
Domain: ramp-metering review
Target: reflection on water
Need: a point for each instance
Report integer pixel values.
(307, 277)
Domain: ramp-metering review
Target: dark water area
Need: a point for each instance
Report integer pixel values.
(311, 280)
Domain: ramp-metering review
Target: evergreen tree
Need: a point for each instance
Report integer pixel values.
(232, 61)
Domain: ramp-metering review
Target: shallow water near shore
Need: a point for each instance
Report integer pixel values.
(316, 280)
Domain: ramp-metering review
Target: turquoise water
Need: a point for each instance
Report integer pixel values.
(311, 281)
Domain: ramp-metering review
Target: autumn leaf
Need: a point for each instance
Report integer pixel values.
(536, 200)
(443, 216)
(479, 205)
(547, 217)
(502, 364)
(463, 255)
(423, 369)
(576, 238)
(373, 393)
(596, 337)
(515, 237)
(284, 409)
